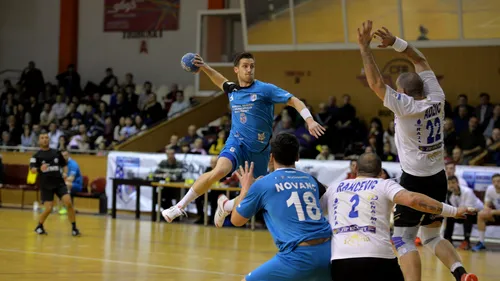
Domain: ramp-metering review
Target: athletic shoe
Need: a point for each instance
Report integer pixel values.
(63, 211)
(479, 246)
(464, 246)
(75, 232)
(40, 230)
(172, 213)
(220, 213)
(469, 277)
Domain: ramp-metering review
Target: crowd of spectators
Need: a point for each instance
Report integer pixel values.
(94, 117)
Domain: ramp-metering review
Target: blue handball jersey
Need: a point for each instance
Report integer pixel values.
(290, 201)
(74, 170)
(252, 111)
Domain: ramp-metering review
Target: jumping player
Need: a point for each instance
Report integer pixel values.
(418, 106)
(252, 107)
(290, 200)
(359, 211)
(48, 163)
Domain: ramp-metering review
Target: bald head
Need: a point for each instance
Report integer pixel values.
(369, 165)
(411, 84)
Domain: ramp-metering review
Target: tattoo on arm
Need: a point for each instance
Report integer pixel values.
(429, 208)
(371, 69)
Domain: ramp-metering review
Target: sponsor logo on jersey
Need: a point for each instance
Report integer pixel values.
(253, 97)
(356, 240)
(261, 136)
(231, 98)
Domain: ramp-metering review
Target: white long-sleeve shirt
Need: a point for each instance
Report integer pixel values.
(467, 198)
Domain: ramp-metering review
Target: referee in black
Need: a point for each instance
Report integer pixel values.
(48, 163)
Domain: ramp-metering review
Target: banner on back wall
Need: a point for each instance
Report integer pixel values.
(141, 15)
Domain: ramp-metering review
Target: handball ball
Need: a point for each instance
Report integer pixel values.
(187, 63)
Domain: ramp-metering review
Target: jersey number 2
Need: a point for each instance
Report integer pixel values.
(311, 205)
(354, 213)
(431, 124)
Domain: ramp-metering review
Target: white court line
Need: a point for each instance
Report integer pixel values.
(122, 262)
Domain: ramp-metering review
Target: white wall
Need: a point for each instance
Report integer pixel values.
(29, 30)
(98, 50)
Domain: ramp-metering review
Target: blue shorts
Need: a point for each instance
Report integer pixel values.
(310, 263)
(238, 153)
(76, 187)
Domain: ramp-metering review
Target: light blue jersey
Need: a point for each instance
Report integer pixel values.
(290, 202)
(74, 170)
(252, 110)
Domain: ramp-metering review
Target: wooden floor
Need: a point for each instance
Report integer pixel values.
(126, 249)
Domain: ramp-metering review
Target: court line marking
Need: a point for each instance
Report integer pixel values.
(122, 262)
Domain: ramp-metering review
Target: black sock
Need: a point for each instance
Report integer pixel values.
(459, 272)
(40, 225)
(74, 225)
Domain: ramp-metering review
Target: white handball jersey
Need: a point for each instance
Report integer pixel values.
(467, 198)
(359, 212)
(419, 127)
(492, 197)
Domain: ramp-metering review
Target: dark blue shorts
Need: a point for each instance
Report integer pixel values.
(311, 263)
(239, 153)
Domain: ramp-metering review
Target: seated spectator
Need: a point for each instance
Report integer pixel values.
(353, 166)
(457, 156)
(144, 96)
(27, 137)
(75, 126)
(325, 154)
(306, 141)
(47, 95)
(191, 136)
(450, 169)
(6, 141)
(178, 106)
(491, 211)
(217, 146)
(174, 143)
(323, 116)
(461, 196)
(107, 84)
(185, 147)
(34, 109)
(152, 111)
(493, 148)
(63, 144)
(54, 134)
(484, 110)
(118, 129)
(169, 170)
(388, 156)
(461, 119)
(129, 129)
(46, 116)
(108, 133)
(198, 147)
(463, 101)
(59, 108)
(22, 116)
(389, 137)
(493, 122)
(65, 127)
(284, 126)
(129, 81)
(139, 124)
(14, 130)
(121, 109)
(450, 136)
(8, 105)
(37, 130)
(70, 80)
(471, 140)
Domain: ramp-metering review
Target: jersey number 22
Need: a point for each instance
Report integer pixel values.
(312, 209)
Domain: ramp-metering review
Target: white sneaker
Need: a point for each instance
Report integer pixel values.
(220, 214)
(173, 212)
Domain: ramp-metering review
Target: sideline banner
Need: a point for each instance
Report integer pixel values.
(141, 165)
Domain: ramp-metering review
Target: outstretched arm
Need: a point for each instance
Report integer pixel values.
(413, 54)
(314, 128)
(217, 78)
(423, 203)
(373, 75)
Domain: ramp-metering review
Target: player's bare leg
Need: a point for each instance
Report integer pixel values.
(200, 186)
(411, 266)
(483, 217)
(66, 199)
(48, 205)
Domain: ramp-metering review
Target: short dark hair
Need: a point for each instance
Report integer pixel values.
(242, 55)
(285, 149)
(495, 176)
(486, 95)
(463, 96)
(453, 178)
(369, 164)
(412, 84)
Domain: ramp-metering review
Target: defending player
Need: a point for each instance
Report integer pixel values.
(252, 107)
(359, 210)
(48, 163)
(418, 106)
(290, 200)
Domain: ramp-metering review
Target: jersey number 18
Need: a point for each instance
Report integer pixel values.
(312, 209)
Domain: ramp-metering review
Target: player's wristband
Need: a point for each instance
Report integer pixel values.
(449, 211)
(400, 45)
(305, 113)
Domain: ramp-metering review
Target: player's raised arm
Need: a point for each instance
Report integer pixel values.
(217, 78)
(413, 54)
(373, 75)
(314, 127)
(424, 203)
